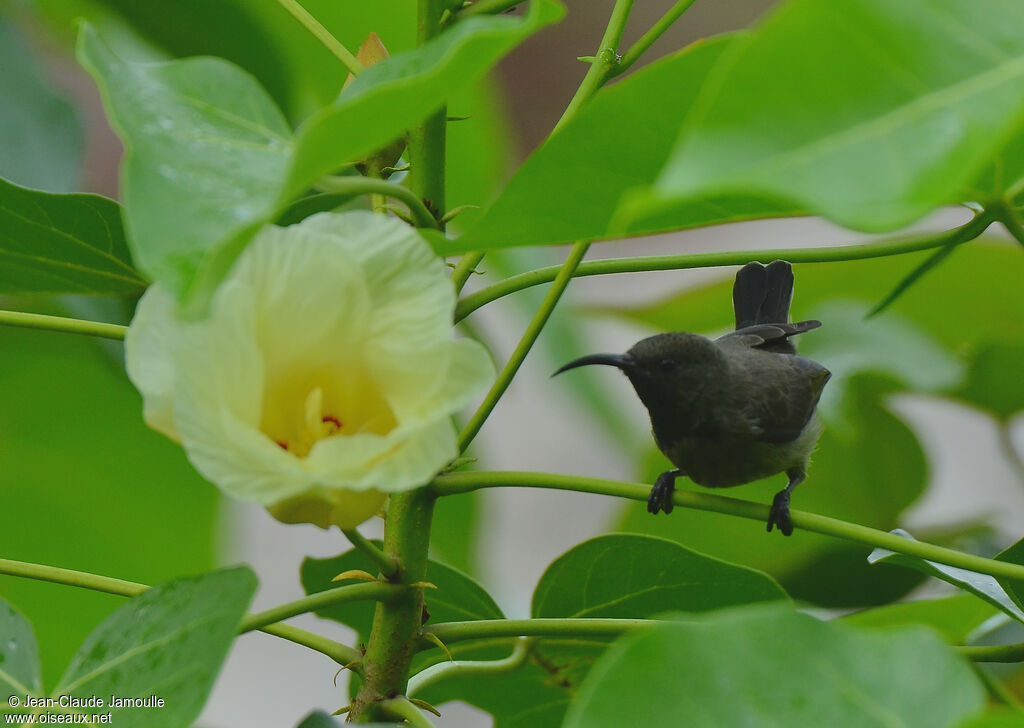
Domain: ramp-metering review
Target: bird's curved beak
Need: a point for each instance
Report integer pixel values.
(620, 361)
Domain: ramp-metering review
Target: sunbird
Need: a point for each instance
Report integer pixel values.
(734, 409)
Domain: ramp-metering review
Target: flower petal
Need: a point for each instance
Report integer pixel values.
(149, 346)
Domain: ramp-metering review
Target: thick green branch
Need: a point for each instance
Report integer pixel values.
(451, 632)
(523, 348)
(465, 482)
(647, 39)
(60, 323)
(373, 186)
(880, 249)
(323, 35)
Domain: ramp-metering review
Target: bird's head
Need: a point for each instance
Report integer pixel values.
(666, 369)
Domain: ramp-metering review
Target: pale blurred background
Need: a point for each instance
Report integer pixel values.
(269, 683)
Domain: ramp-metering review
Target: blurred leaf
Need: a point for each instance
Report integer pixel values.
(956, 617)
(392, 96)
(981, 585)
(724, 670)
(569, 189)
(457, 597)
(842, 483)
(168, 642)
(82, 477)
(19, 656)
(206, 150)
(42, 139)
(870, 115)
(959, 305)
(994, 380)
(62, 244)
(629, 576)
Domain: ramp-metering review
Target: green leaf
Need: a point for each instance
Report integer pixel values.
(632, 576)
(62, 244)
(724, 670)
(569, 188)
(993, 379)
(457, 597)
(86, 485)
(392, 96)
(206, 150)
(1014, 587)
(870, 115)
(42, 139)
(455, 532)
(19, 656)
(981, 585)
(956, 617)
(841, 483)
(168, 642)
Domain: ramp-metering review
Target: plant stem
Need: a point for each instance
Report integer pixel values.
(647, 39)
(323, 35)
(465, 668)
(523, 348)
(369, 591)
(463, 482)
(427, 142)
(1011, 222)
(60, 323)
(341, 654)
(464, 269)
(879, 249)
(604, 65)
(385, 563)
(451, 632)
(109, 585)
(396, 623)
(489, 7)
(374, 186)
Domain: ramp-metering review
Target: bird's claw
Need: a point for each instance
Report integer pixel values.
(660, 498)
(779, 514)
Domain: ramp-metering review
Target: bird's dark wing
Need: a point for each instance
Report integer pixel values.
(783, 407)
(767, 336)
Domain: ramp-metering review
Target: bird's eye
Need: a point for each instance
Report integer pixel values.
(667, 365)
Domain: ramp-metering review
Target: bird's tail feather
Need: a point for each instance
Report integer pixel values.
(762, 294)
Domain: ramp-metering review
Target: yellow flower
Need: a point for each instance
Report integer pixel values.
(325, 374)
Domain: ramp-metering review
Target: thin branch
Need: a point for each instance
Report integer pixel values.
(372, 591)
(372, 186)
(464, 269)
(402, 709)
(523, 348)
(882, 248)
(1011, 222)
(647, 39)
(109, 585)
(452, 483)
(385, 563)
(475, 668)
(323, 35)
(63, 324)
(994, 653)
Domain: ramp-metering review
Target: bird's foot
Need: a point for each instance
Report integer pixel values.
(660, 498)
(779, 514)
